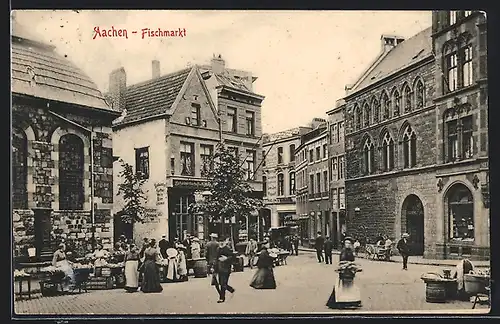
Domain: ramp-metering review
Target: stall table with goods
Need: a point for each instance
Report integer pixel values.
(52, 280)
(477, 285)
(20, 276)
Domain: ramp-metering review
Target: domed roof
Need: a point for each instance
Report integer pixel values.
(38, 71)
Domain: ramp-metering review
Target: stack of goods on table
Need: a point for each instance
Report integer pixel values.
(20, 274)
(51, 278)
(348, 269)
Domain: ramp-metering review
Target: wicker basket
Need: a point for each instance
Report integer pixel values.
(475, 284)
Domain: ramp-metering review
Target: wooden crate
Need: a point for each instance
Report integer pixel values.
(100, 283)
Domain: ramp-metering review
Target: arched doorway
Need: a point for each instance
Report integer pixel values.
(413, 217)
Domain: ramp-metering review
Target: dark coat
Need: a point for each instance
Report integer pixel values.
(346, 255)
(403, 247)
(328, 246)
(211, 251)
(224, 266)
(319, 242)
(265, 260)
(163, 245)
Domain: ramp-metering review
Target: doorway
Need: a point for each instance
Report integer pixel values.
(43, 238)
(122, 228)
(413, 210)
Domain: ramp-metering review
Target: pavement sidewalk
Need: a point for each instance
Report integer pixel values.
(416, 259)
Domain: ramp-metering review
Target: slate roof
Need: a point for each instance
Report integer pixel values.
(55, 77)
(226, 79)
(412, 50)
(153, 97)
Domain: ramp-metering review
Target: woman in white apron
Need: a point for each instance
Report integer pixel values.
(132, 269)
(172, 266)
(462, 268)
(182, 264)
(345, 292)
(59, 260)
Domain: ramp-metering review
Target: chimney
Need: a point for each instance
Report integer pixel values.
(218, 65)
(118, 88)
(155, 69)
(388, 42)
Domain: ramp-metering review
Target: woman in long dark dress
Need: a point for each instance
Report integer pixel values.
(348, 294)
(264, 277)
(151, 276)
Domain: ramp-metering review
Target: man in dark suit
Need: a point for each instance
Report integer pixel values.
(224, 263)
(328, 250)
(211, 252)
(318, 245)
(404, 249)
(163, 245)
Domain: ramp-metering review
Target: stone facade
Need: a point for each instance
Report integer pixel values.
(313, 203)
(43, 131)
(279, 171)
(399, 174)
(337, 168)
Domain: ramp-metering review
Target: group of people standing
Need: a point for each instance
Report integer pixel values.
(322, 244)
(220, 258)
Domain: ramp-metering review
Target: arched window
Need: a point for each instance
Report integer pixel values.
(376, 110)
(292, 183)
(358, 114)
(281, 185)
(460, 213)
(367, 114)
(419, 94)
(409, 147)
(386, 106)
(407, 98)
(388, 152)
(368, 157)
(396, 102)
(71, 169)
(19, 169)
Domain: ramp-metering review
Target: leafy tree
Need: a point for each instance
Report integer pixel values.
(231, 194)
(132, 193)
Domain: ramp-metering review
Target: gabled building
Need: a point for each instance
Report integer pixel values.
(62, 159)
(416, 141)
(169, 129)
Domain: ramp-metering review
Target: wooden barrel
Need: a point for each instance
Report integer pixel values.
(435, 292)
(200, 268)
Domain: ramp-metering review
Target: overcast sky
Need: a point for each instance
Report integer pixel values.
(303, 59)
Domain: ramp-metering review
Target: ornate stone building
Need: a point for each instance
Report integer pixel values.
(416, 141)
(57, 114)
(279, 175)
(169, 129)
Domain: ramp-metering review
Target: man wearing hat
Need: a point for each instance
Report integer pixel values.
(404, 249)
(163, 245)
(318, 245)
(211, 251)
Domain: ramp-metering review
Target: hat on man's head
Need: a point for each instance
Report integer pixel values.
(196, 239)
(164, 235)
(214, 235)
(405, 235)
(348, 238)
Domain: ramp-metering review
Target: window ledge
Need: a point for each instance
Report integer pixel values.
(456, 92)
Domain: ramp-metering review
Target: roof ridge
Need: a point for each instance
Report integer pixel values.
(163, 77)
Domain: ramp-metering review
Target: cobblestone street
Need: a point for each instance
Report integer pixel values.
(304, 286)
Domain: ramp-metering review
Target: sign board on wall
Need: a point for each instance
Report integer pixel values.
(192, 184)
